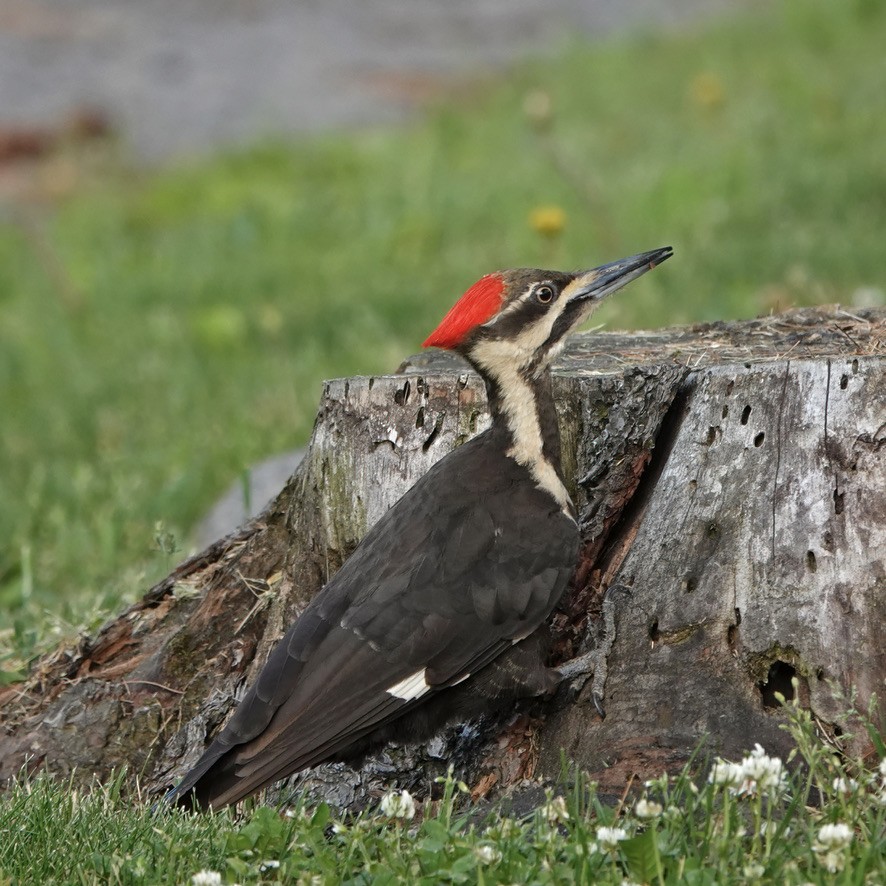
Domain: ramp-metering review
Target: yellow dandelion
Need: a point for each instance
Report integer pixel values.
(706, 91)
(548, 221)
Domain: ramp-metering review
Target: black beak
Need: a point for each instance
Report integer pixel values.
(597, 283)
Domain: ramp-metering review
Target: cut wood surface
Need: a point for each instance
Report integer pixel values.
(731, 485)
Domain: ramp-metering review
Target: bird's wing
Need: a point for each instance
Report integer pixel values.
(432, 594)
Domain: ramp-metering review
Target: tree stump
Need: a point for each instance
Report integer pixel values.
(731, 484)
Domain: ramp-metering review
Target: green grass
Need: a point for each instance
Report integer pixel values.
(677, 830)
(159, 332)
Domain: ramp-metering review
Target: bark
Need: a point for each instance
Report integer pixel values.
(731, 482)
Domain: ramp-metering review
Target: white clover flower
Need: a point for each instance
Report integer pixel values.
(647, 809)
(269, 864)
(487, 853)
(833, 836)
(555, 810)
(753, 871)
(396, 805)
(761, 773)
(610, 837)
(883, 769)
(206, 878)
(723, 772)
(832, 861)
(830, 844)
(845, 785)
(756, 774)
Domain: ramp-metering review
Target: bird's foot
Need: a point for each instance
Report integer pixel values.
(578, 671)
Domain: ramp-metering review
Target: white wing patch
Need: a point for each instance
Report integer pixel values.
(414, 686)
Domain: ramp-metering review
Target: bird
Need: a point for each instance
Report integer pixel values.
(438, 615)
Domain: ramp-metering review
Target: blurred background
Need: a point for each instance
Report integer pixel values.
(207, 207)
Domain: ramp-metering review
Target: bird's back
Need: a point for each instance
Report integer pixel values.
(467, 562)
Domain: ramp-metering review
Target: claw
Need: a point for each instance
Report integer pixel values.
(598, 704)
(578, 671)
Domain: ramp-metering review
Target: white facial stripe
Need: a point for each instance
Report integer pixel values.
(521, 300)
(521, 350)
(414, 686)
(518, 404)
(516, 304)
(579, 284)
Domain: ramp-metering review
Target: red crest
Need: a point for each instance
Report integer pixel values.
(478, 305)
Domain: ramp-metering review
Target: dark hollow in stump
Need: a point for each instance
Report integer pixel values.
(731, 483)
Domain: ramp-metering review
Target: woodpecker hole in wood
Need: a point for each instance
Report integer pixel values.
(854, 367)
(435, 432)
(401, 396)
(777, 680)
(811, 562)
(653, 631)
(725, 411)
(838, 502)
(745, 415)
(758, 440)
(712, 436)
(844, 382)
(420, 417)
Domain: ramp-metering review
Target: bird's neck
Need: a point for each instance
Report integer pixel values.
(523, 410)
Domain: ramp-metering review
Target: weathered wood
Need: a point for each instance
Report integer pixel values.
(756, 552)
(730, 481)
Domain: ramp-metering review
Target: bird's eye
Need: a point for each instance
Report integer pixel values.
(544, 295)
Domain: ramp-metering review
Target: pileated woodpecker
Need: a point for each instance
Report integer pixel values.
(437, 611)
